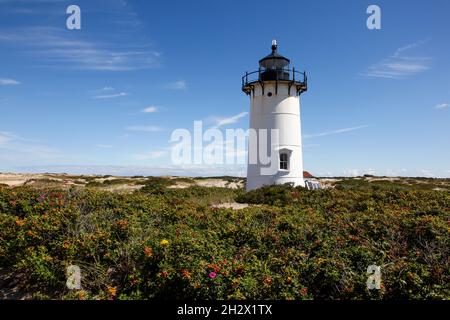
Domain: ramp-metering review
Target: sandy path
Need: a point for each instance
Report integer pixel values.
(231, 205)
(18, 179)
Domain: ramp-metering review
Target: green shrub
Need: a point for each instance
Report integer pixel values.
(295, 244)
(156, 185)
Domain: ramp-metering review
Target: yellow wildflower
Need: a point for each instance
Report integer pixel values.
(112, 291)
(20, 222)
(82, 295)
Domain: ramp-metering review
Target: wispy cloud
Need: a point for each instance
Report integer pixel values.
(442, 106)
(177, 85)
(358, 172)
(150, 155)
(56, 48)
(399, 65)
(111, 96)
(220, 122)
(31, 7)
(106, 89)
(6, 137)
(375, 172)
(151, 109)
(427, 173)
(171, 170)
(144, 128)
(215, 170)
(20, 148)
(7, 82)
(386, 172)
(333, 132)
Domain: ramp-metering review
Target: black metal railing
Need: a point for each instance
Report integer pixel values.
(283, 74)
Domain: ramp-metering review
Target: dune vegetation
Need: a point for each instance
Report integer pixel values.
(172, 243)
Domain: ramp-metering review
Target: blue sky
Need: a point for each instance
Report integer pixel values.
(105, 99)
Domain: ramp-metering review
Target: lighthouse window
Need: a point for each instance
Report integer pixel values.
(269, 94)
(284, 159)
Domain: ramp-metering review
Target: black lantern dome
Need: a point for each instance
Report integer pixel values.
(274, 60)
(274, 68)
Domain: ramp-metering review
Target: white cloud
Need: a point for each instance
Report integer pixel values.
(205, 170)
(369, 171)
(150, 155)
(107, 89)
(6, 82)
(55, 47)
(177, 85)
(389, 172)
(413, 45)
(442, 106)
(333, 132)
(185, 170)
(427, 173)
(233, 148)
(20, 148)
(104, 146)
(352, 172)
(219, 122)
(150, 109)
(5, 137)
(111, 96)
(144, 128)
(398, 65)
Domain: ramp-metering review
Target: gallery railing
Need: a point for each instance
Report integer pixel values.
(292, 76)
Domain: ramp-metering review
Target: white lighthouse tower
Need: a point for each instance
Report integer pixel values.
(275, 129)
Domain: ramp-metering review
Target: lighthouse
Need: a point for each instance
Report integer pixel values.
(275, 143)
